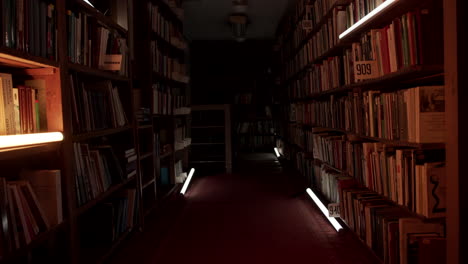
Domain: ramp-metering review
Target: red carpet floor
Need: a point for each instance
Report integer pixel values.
(246, 217)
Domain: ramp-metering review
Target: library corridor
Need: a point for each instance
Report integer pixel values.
(286, 119)
(256, 215)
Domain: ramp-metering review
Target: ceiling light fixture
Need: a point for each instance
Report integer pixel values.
(239, 26)
(239, 20)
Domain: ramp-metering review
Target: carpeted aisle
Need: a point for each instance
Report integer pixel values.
(247, 217)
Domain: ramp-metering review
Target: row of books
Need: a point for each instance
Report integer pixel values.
(356, 10)
(165, 28)
(96, 105)
(162, 99)
(99, 167)
(29, 206)
(296, 135)
(179, 98)
(325, 39)
(30, 26)
(290, 23)
(22, 108)
(257, 127)
(300, 137)
(390, 231)
(327, 179)
(180, 175)
(167, 66)
(392, 48)
(413, 115)
(408, 40)
(332, 149)
(93, 45)
(304, 164)
(319, 78)
(312, 16)
(412, 178)
(109, 220)
(143, 116)
(181, 138)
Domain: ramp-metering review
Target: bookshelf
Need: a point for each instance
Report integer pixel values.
(161, 99)
(71, 90)
(353, 139)
(211, 139)
(254, 127)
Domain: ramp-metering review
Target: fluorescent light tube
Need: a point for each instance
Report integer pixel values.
(10, 141)
(373, 13)
(187, 181)
(324, 210)
(89, 3)
(277, 152)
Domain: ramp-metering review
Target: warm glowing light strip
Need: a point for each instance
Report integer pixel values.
(324, 210)
(277, 152)
(11, 141)
(373, 13)
(187, 181)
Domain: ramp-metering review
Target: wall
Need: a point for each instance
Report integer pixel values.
(220, 69)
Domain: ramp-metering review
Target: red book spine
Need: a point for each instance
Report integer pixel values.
(384, 50)
(398, 42)
(23, 108)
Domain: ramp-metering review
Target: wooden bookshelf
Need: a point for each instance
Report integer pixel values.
(214, 132)
(100, 133)
(103, 196)
(56, 73)
(98, 72)
(20, 59)
(385, 17)
(29, 151)
(298, 139)
(147, 155)
(105, 20)
(51, 63)
(160, 132)
(38, 240)
(319, 24)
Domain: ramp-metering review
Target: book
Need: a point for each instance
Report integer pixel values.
(6, 232)
(39, 85)
(410, 226)
(429, 109)
(94, 45)
(7, 110)
(48, 188)
(96, 106)
(96, 168)
(29, 26)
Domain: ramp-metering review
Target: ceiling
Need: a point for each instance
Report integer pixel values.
(207, 19)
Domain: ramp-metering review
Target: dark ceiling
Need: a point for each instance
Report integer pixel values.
(207, 19)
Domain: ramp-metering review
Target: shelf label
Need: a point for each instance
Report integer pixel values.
(364, 70)
(112, 62)
(307, 24)
(334, 210)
